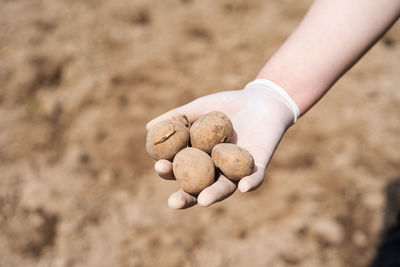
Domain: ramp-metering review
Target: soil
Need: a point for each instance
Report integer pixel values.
(78, 82)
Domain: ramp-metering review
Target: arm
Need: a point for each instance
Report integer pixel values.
(330, 40)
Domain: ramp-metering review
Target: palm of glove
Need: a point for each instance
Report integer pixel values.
(259, 117)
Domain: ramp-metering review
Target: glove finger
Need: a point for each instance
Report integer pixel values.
(181, 200)
(216, 192)
(261, 146)
(163, 168)
(253, 181)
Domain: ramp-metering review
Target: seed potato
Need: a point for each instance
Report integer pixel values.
(234, 161)
(193, 169)
(211, 129)
(166, 138)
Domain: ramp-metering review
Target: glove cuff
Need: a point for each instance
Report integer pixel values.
(289, 101)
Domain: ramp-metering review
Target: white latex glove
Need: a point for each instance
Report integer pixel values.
(260, 114)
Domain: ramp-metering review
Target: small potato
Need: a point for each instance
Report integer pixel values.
(234, 161)
(211, 129)
(193, 169)
(166, 138)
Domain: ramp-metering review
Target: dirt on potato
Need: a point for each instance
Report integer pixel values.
(80, 79)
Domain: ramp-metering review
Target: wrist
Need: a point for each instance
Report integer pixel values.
(271, 90)
(303, 90)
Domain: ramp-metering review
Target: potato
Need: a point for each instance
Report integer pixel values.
(193, 169)
(234, 161)
(211, 129)
(166, 138)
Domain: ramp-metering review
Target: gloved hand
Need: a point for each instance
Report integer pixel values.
(260, 114)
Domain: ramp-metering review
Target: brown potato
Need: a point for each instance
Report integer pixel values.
(211, 129)
(166, 138)
(193, 169)
(234, 161)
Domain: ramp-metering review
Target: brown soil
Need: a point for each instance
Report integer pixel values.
(78, 82)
